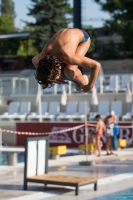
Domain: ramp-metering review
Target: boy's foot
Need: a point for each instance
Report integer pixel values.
(86, 79)
(112, 153)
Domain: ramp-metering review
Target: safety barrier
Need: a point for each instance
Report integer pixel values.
(56, 132)
(121, 143)
(45, 133)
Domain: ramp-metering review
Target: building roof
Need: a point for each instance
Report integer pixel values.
(22, 35)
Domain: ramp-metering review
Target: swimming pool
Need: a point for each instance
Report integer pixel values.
(4, 158)
(121, 195)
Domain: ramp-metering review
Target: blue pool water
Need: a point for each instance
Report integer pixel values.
(4, 158)
(122, 195)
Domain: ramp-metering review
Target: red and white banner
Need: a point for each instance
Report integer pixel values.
(63, 133)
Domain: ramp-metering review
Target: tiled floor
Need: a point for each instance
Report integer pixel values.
(11, 178)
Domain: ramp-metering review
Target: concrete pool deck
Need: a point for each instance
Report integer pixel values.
(112, 172)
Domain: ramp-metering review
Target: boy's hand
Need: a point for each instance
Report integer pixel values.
(84, 89)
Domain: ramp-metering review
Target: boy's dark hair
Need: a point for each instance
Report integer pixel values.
(97, 117)
(47, 70)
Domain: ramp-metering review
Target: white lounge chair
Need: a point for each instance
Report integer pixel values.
(71, 109)
(36, 115)
(52, 111)
(25, 107)
(127, 116)
(103, 110)
(116, 106)
(12, 111)
(80, 115)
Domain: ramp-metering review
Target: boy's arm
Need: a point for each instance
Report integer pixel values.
(93, 65)
(35, 60)
(97, 128)
(104, 127)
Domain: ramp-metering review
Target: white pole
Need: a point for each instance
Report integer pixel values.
(86, 132)
(117, 84)
(55, 89)
(40, 102)
(19, 85)
(1, 87)
(13, 85)
(27, 86)
(101, 84)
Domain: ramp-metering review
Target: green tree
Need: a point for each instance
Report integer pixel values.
(26, 48)
(7, 15)
(6, 24)
(109, 51)
(9, 47)
(7, 7)
(121, 12)
(50, 16)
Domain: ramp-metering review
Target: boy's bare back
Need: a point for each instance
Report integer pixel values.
(66, 45)
(100, 126)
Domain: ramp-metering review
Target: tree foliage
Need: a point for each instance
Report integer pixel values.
(7, 7)
(6, 24)
(9, 46)
(50, 16)
(121, 12)
(109, 51)
(7, 16)
(26, 48)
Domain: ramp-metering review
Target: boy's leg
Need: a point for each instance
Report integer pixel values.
(98, 145)
(83, 48)
(107, 145)
(111, 145)
(72, 72)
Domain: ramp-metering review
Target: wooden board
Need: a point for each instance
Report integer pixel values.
(62, 179)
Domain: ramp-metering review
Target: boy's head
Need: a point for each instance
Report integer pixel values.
(48, 71)
(97, 117)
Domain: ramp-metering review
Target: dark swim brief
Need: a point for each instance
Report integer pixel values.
(86, 36)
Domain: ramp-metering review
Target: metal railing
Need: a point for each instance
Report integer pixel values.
(28, 85)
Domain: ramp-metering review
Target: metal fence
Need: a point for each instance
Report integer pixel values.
(28, 85)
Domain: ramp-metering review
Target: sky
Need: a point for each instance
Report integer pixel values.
(91, 13)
